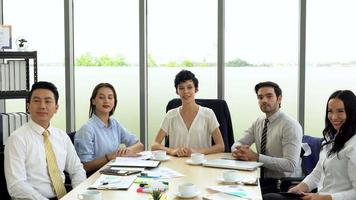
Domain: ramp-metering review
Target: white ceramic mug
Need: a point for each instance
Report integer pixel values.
(197, 157)
(187, 189)
(229, 176)
(159, 155)
(90, 195)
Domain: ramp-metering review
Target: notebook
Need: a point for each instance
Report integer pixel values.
(133, 162)
(233, 164)
(112, 182)
(119, 172)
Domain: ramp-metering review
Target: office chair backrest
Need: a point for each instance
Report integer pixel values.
(71, 136)
(67, 181)
(309, 162)
(3, 189)
(222, 114)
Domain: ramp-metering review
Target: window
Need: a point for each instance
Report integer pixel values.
(330, 57)
(41, 22)
(261, 45)
(106, 48)
(182, 34)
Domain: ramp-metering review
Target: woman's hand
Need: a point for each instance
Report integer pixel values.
(181, 152)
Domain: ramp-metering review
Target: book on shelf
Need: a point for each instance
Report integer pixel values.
(4, 127)
(23, 72)
(11, 75)
(4, 77)
(17, 74)
(10, 122)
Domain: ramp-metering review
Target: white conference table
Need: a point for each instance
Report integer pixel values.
(201, 176)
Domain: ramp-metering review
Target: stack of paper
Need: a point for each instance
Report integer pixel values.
(111, 182)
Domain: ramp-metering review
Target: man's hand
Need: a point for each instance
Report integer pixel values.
(299, 189)
(244, 152)
(315, 196)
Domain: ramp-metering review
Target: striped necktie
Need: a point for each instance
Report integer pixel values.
(263, 143)
(52, 166)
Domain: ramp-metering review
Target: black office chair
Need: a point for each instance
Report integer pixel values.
(71, 136)
(308, 162)
(3, 189)
(68, 182)
(222, 114)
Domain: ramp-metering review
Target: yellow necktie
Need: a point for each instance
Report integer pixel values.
(52, 166)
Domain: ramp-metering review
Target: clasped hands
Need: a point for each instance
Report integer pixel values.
(244, 152)
(182, 152)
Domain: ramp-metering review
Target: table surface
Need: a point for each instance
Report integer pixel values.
(201, 176)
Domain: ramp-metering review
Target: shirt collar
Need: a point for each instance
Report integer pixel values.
(274, 116)
(37, 128)
(100, 123)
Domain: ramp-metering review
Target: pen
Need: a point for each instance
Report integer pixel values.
(149, 190)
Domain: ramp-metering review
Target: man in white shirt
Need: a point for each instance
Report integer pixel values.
(26, 157)
(280, 149)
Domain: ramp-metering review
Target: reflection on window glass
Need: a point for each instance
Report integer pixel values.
(330, 56)
(261, 45)
(182, 34)
(106, 50)
(41, 22)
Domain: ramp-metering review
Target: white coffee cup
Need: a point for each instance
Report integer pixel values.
(197, 157)
(187, 189)
(159, 155)
(229, 176)
(90, 195)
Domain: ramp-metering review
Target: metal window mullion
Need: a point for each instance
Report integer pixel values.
(69, 65)
(143, 72)
(221, 50)
(301, 71)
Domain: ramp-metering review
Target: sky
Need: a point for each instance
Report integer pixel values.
(258, 31)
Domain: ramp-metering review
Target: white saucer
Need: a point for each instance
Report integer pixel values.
(221, 179)
(165, 159)
(245, 181)
(187, 197)
(189, 161)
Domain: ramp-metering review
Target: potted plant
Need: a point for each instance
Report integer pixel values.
(156, 194)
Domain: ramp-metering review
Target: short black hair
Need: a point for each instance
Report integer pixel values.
(275, 86)
(44, 85)
(185, 75)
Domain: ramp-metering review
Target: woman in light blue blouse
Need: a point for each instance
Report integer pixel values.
(98, 140)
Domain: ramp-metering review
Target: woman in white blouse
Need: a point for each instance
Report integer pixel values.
(190, 127)
(334, 176)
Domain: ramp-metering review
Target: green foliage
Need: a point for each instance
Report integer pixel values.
(151, 61)
(85, 60)
(88, 60)
(171, 64)
(238, 62)
(156, 194)
(187, 63)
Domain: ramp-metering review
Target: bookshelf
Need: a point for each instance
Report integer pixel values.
(27, 56)
(17, 87)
